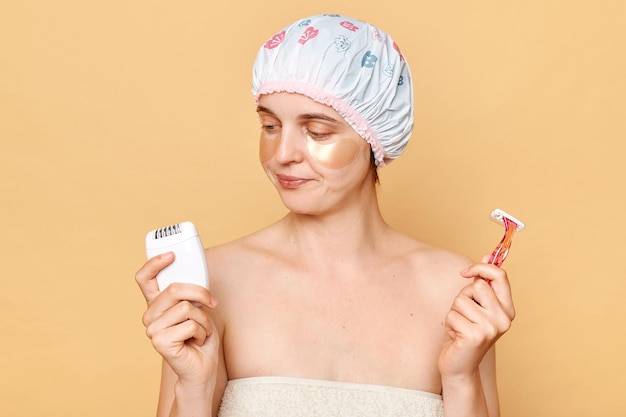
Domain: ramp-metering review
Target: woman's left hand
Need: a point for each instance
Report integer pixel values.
(480, 314)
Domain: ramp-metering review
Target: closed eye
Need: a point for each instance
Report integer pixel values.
(317, 135)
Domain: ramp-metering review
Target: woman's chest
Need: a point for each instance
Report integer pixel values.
(384, 334)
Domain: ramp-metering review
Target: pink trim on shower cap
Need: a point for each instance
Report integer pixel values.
(358, 123)
(350, 65)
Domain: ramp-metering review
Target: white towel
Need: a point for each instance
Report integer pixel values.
(301, 397)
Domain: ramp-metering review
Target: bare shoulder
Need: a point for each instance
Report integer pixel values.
(438, 268)
(232, 265)
(239, 255)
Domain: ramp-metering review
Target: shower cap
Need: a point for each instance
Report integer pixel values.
(350, 65)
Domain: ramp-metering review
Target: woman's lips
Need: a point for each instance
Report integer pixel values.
(289, 182)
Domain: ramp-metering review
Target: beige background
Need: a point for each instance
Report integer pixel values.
(117, 117)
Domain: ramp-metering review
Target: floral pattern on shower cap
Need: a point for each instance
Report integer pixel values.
(350, 65)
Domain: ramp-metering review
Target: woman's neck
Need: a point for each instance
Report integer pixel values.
(345, 234)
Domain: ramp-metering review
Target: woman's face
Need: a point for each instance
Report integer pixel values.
(310, 152)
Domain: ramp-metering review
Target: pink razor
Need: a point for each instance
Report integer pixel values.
(511, 225)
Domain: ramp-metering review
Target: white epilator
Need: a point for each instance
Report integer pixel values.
(190, 265)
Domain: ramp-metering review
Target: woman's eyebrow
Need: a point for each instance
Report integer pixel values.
(317, 116)
(304, 116)
(261, 109)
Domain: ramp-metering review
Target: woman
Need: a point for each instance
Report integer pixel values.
(330, 311)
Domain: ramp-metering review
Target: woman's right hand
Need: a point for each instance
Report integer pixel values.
(177, 322)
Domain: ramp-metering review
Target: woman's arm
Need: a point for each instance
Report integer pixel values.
(479, 316)
(168, 398)
(489, 382)
(476, 395)
(178, 323)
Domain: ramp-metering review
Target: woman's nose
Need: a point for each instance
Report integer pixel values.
(292, 146)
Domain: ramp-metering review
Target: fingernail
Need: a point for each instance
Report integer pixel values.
(213, 302)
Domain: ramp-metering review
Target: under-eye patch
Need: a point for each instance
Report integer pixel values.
(332, 154)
